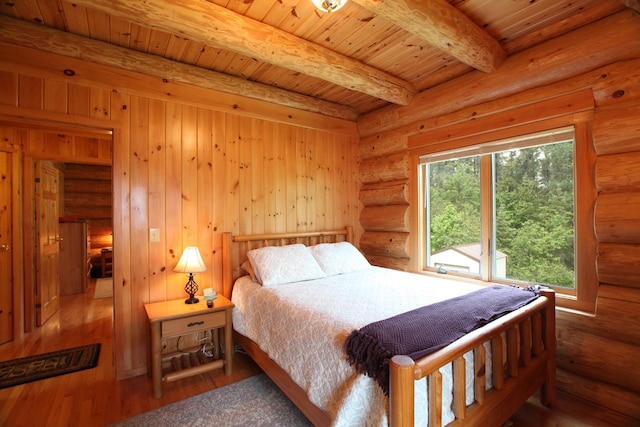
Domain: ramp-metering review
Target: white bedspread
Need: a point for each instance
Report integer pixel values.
(302, 326)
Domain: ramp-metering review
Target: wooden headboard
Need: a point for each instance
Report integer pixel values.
(235, 248)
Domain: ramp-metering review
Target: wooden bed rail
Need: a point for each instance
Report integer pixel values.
(530, 355)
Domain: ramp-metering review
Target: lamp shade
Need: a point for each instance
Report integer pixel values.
(190, 261)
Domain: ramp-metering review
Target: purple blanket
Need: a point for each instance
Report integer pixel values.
(424, 330)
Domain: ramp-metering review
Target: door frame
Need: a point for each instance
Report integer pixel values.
(24, 265)
(13, 148)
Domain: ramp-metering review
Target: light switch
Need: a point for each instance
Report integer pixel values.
(154, 234)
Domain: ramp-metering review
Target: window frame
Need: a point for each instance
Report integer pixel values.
(517, 122)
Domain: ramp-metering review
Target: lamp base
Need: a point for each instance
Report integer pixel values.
(191, 300)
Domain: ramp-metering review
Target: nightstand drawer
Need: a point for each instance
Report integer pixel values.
(194, 323)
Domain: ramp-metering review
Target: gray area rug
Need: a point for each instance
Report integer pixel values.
(255, 401)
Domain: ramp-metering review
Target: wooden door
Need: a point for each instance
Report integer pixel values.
(48, 239)
(6, 249)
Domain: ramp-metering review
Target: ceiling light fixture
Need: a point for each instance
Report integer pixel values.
(328, 5)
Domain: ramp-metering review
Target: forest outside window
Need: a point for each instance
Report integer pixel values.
(504, 211)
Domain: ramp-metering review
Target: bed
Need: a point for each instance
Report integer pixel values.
(456, 385)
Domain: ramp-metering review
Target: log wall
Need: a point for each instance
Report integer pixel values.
(596, 352)
(191, 167)
(88, 194)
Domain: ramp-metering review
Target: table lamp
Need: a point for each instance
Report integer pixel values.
(190, 262)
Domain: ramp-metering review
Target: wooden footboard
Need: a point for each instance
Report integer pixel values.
(523, 350)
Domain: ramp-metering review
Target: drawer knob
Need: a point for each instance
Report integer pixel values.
(196, 323)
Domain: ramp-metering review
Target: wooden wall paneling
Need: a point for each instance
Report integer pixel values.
(99, 106)
(311, 169)
(272, 185)
(335, 204)
(385, 193)
(385, 168)
(30, 94)
(617, 357)
(289, 210)
(8, 88)
(122, 313)
(385, 218)
(172, 177)
(619, 293)
(618, 264)
(157, 201)
(139, 226)
(55, 96)
(205, 197)
(618, 172)
(280, 141)
(34, 144)
(79, 103)
(260, 160)
(616, 319)
(402, 264)
(390, 244)
(218, 187)
(616, 128)
(617, 217)
(235, 224)
(378, 145)
(319, 178)
(189, 177)
(302, 195)
(244, 144)
(614, 401)
(61, 144)
(265, 172)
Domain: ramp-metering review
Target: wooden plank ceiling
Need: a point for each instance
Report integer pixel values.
(366, 55)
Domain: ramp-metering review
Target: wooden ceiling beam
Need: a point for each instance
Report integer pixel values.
(213, 25)
(443, 27)
(47, 39)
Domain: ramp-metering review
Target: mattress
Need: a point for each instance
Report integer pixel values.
(302, 326)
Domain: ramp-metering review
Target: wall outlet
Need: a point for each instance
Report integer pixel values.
(154, 235)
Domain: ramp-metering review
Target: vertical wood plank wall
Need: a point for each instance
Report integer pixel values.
(596, 354)
(193, 173)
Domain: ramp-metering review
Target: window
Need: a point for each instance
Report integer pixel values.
(511, 210)
(530, 234)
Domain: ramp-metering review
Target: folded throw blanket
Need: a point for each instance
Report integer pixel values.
(424, 330)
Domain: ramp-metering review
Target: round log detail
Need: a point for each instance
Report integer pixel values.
(618, 172)
(385, 218)
(387, 168)
(385, 244)
(617, 218)
(385, 193)
(402, 264)
(381, 145)
(618, 264)
(616, 129)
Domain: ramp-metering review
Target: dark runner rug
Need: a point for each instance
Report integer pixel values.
(33, 368)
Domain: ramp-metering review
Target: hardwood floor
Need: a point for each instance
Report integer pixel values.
(94, 398)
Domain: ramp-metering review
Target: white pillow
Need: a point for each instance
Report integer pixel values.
(339, 258)
(277, 265)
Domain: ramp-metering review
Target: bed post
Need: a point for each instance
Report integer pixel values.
(401, 391)
(548, 392)
(349, 236)
(227, 268)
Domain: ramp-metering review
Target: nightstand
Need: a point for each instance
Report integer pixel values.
(175, 318)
